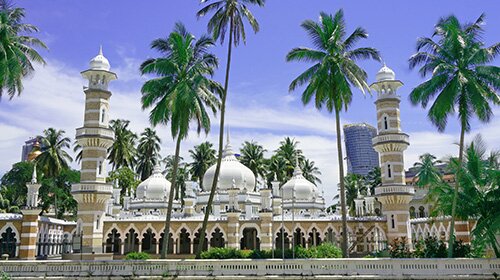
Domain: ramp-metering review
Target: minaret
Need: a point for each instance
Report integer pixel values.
(391, 143)
(95, 137)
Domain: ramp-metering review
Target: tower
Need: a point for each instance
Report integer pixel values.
(95, 137)
(391, 143)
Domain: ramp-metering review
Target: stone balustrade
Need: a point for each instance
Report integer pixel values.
(104, 132)
(400, 268)
(101, 188)
(399, 137)
(403, 189)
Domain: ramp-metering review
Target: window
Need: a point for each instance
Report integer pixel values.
(389, 171)
(99, 168)
(103, 115)
(393, 224)
(386, 125)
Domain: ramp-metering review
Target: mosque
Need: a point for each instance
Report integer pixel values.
(244, 216)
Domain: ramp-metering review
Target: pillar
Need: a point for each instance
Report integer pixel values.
(29, 234)
(391, 143)
(233, 225)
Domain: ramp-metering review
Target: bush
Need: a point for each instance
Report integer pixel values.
(137, 256)
(399, 249)
(325, 250)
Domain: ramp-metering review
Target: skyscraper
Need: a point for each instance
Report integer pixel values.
(361, 157)
(28, 147)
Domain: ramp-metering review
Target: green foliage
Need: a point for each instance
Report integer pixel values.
(54, 158)
(137, 256)
(325, 250)
(400, 249)
(13, 188)
(17, 47)
(57, 192)
(148, 153)
(123, 151)
(203, 156)
(5, 276)
(252, 156)
(430, 247)
(125, 178)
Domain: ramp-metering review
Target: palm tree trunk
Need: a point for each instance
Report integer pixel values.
(345, 252)
(208, 209)
(451, 239)
(166, 231)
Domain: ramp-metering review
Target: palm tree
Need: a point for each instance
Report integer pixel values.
(123, 151)
(227, 14)
(289, 151)
(252, 156)
(310, 171)
(182, 175)
(78, 150)
(180, 92)
(461, 80)
(148, 152)
(330, 78)
(53, 158)
(277, 169)
(17, 49)
(479, 196)
(203, 156)
(428, 174)
(354, 184)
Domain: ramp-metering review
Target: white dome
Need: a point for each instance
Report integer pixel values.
(154, 187)
(385, 74)
(99, 62)
(304, 190)
(231, 172)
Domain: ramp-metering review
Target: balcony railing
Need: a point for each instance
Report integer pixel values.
(98, 131)
(394, 189)
(92, 188)
(400, 137)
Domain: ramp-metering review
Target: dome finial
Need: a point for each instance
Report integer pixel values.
(228, 150)
(297, 171)
(100, 49)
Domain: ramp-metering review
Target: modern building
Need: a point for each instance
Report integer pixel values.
(361, 157)
(288, 213)
(31, 145)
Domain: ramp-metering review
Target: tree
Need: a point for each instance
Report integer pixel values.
(354, 184)
(479, 195)
(330, 78)
(277, 169)
(290, 153)
(203, 156)
(56, 191)
(181, 177)
(252, 156)
(461, 79)
(180, 92)
(125, 178)
(310, 171)
(13, 183)
(227, 14)
(148, 152)
(428, 174)
(123, 151)
(17, 49)
(53, 159)
(77, 149)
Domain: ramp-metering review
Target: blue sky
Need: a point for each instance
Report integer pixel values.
(260, 107)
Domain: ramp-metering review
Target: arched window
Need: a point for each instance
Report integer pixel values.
(389, 171)
(99, 167)
(412, 212)
(386, 124)
(421, 212)
(393, 224)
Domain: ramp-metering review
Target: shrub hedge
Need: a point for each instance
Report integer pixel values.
(325, 250)
(137, 256)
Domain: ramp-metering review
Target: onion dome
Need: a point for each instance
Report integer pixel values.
(155, 187)
(385, 74)
(99, 62)
(35, 152)
(299, 187)
(232, 172)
